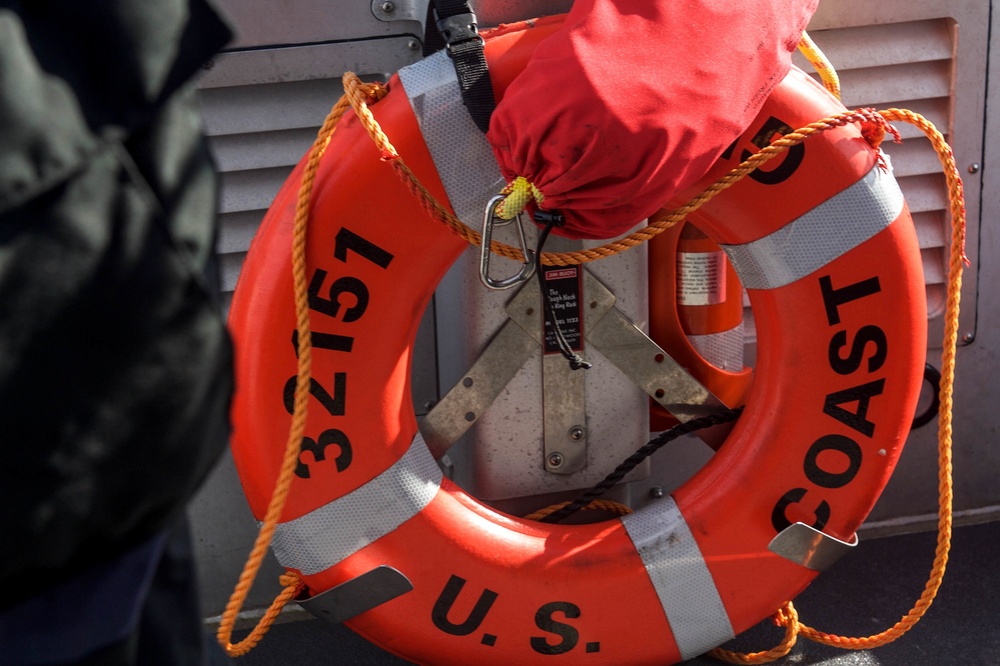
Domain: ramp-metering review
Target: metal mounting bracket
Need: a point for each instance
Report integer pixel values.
(808, 547)
(358, 595)
(564, 426)
(466, 401)
(565, 430)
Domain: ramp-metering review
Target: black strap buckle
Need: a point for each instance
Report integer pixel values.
(458, 29)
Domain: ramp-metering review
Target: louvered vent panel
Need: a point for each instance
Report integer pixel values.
(258, 133)
(906, 65)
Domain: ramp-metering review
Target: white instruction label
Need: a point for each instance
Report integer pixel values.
(701, 278)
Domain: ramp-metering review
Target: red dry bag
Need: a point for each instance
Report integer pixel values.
(633, 100)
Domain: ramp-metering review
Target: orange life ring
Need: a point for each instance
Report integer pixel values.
(822, 240)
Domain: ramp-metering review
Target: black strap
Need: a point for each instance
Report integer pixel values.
(433, 41)
(553, 219)
(451, 24)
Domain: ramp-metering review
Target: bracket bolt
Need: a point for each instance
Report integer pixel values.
(388, 7)
(576, 433)
(555, 460)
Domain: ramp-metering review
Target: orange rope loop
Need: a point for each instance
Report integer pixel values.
(786, 617)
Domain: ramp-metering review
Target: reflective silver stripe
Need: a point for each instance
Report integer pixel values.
(680, 576)
(835, 227)
(327, 535)
(461, 153)
(723, 350)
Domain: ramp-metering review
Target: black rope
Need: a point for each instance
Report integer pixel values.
(647, 450)
(576, 361)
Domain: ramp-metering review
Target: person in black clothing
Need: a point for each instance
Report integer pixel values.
(115, 364)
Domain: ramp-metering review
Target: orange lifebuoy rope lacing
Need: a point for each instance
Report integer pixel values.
(597, 504)
(359, 95)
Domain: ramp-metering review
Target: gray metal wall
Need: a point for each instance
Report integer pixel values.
(265, 98)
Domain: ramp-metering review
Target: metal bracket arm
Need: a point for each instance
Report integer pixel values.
(810, 548)
(358, 595)
(462, 406)
(646, 363)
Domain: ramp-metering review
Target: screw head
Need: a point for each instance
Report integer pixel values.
(974, 167)
(413, 45)
(656, 492)
(555, 460)
(968, 337)
(388, 7)
(576, 433)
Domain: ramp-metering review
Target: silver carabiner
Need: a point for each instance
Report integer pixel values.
(527, 270)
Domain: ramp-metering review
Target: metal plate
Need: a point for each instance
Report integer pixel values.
(502, 455)
(354, 597)
(646, 364)
(468, 399)
(810, 548)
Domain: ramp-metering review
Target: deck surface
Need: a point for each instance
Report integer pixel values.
(867, 591)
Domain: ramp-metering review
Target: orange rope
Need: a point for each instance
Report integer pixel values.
(785, 617)
(601, 504)
(291, 581)
(359, 96)
(957, 261)
(867, 117)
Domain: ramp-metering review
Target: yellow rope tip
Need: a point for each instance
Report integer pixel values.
(518, 194)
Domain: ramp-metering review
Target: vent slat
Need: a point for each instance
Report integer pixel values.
(251, 190)
(884, 44)
(240, 152)
(268, 107)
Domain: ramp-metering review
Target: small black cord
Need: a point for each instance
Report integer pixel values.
(647, 450)
(933, 378)
(576, 361)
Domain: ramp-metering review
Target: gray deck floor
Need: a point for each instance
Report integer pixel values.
(867, 591)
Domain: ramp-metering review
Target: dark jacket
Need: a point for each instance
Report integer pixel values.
(115, 371)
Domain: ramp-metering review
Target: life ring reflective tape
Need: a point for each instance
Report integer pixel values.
(828, 231)
(686, 591)
(329, 534)
(841, 337)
